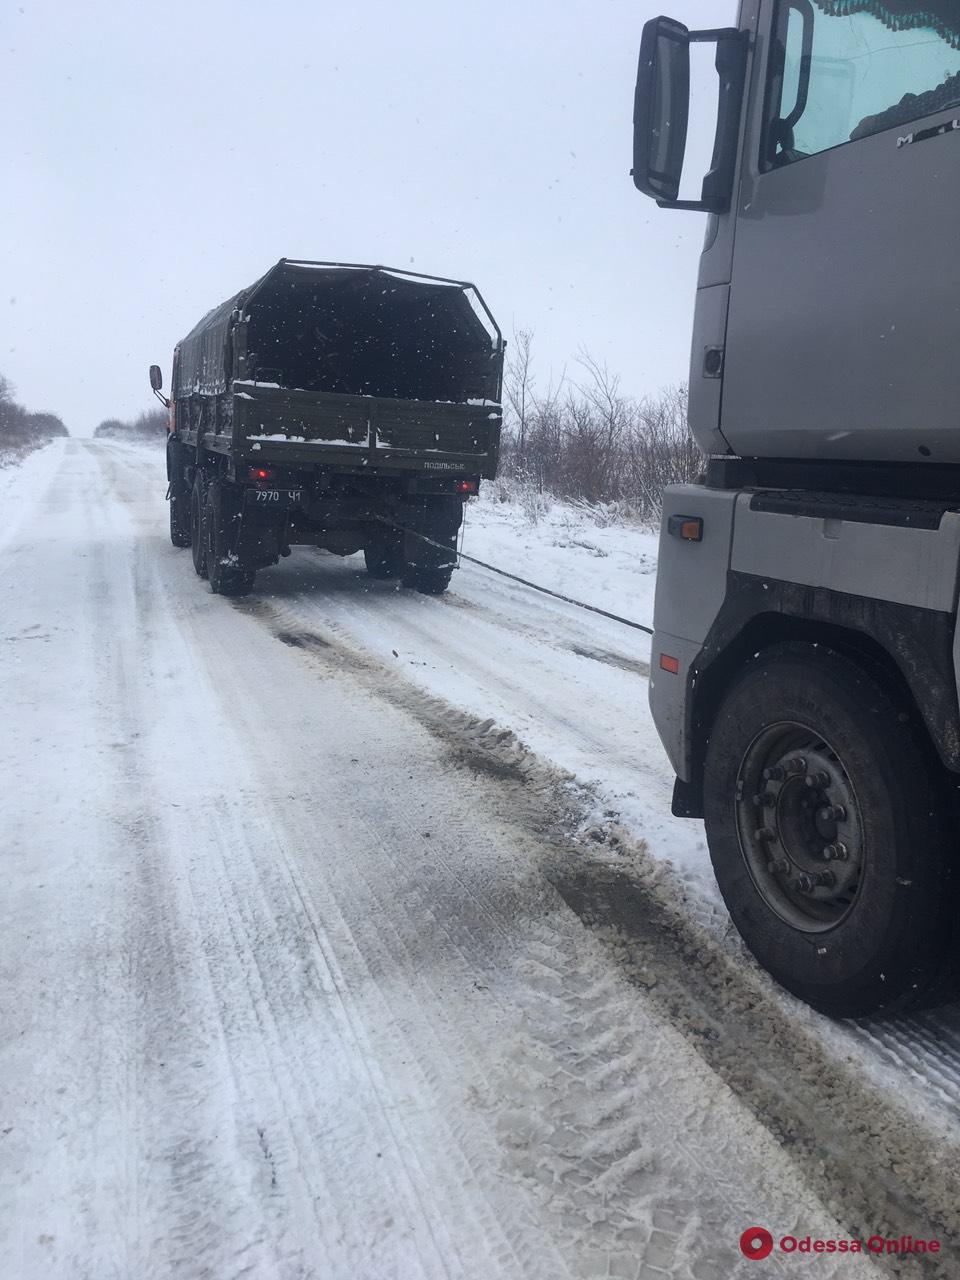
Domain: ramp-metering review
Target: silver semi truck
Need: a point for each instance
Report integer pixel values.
(806, 660)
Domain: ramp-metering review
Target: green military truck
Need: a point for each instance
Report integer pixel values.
(351, 408)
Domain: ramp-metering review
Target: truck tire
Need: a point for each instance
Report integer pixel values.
(383, 556)
(178, 497)
(828, 823)
(198, 512)
(227, 578)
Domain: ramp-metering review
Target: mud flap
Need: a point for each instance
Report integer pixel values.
(259, 539)
(436, 518)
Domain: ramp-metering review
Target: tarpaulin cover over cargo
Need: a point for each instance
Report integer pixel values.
(348, 329)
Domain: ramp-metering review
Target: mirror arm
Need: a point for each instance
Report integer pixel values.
(715, 35)
(163, 399)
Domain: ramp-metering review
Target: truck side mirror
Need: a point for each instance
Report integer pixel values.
(661, 109)
(661, 106)
(156, 382)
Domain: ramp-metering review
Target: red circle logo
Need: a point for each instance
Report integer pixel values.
(756, 1242)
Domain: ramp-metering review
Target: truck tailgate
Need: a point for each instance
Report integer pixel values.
(326, 429)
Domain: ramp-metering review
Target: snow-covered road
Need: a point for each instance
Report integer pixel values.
(307, 971)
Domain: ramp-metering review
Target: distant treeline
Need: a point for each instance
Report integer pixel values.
(150, 426)
(20, 430)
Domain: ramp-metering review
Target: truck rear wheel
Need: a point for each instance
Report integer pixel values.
(828, 831)
(178, 496)
(227, 578)
(198, 539)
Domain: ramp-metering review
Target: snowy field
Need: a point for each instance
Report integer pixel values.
(347, 933)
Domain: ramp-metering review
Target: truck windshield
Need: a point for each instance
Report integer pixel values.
(846, 69)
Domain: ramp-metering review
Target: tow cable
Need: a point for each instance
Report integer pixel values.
(524, 582)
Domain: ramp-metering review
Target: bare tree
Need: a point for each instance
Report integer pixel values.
(518, 385)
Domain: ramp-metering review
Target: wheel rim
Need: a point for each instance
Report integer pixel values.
(800, 827)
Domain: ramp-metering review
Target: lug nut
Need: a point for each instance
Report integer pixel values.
(834, 812)
(818, 779)
(826, 878)
(783, 866)
(796, 764)
(837, 850)
(774, 774)
(805, 883)
(764, 800)
(766, 835)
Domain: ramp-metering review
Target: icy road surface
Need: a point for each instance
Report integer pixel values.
(309, 969)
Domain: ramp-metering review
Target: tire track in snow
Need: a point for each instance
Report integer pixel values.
(253, 923)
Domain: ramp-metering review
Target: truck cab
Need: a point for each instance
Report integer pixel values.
(805, 663)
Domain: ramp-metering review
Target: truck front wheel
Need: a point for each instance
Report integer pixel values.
(829, 834)
(222, 521)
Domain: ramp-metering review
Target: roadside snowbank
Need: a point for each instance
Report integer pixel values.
(593, 554)
(25, 479)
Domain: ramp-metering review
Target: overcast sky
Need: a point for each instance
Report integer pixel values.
(158, 158)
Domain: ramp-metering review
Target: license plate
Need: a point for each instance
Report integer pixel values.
(273, 498)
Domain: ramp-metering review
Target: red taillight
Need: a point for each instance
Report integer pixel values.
(467, 486)
(260, 473)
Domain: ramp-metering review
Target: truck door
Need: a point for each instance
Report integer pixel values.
(844, 315)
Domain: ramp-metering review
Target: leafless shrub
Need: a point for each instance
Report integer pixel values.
(585, 440)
